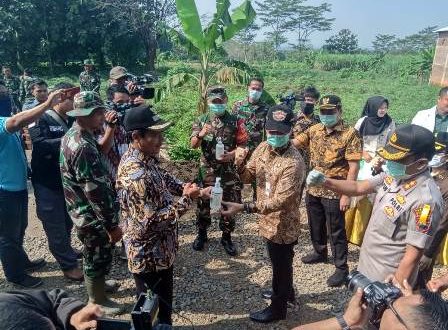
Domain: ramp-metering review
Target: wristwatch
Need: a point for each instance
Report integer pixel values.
(342, 323)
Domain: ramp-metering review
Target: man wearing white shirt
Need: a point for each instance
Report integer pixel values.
(436, 118)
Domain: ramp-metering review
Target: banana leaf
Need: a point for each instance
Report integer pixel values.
(242, 16)
(191, 23)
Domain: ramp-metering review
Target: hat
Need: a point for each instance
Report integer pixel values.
(441, 139)
(118, 72)
(329, 102)
(88, 62)
(279, 118)
(216, 92)
(142, 117)
(84, 103)
(409, 140)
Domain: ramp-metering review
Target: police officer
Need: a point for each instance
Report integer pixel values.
(217, 123)
(90, 196)
(407, 208)
(89, 80)
(12, 83)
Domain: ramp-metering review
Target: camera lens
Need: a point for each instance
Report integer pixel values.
(356, 280)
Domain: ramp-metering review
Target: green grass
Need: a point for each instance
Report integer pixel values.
(353, 84)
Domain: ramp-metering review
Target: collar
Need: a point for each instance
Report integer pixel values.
(410, 184)
(138, 154)
(339, 127)
(442, 175)
(279, 151)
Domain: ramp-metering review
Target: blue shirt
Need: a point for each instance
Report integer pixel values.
(13, 165)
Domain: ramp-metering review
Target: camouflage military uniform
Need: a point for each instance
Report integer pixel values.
(229, 129)
(254, 118)
(25, 92)
(90, 81)
(13, 85)
(90, 198)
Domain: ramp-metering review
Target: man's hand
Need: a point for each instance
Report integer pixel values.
(139, 100)
(406, 289)
(227, 157)
(85, 318)
(191, 190)
(115, 234)
(344, 203)
(438, 285)
(425, 262)
(231, 208)
(315, 178)
(131, 87)
(206, 193)
(356, 314)
(54, 98)
(111, 118)
(377, 163)
(206, 129)
(240, 155)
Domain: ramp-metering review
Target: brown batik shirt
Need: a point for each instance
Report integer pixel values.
(302, 123)
(279, 173)
(330, 153)
(149, 212)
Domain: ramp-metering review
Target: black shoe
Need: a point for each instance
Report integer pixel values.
(268, 295)
(228, 245)
(35, 265)
(338, 278)
(267, 315)
(314, 258)
(29, 282)
(200, 240)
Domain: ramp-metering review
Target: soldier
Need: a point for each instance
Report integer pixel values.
(407, 207)
(307, 118)
(12, 83)
(39, 92)
(89, 80)
(90, 196)
(217, 123)
(335, 149)
(25, 81)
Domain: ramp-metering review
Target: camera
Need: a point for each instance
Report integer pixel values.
(120, 108)
(140, 82)
(290, 99)
(377, 295)
(144, 316)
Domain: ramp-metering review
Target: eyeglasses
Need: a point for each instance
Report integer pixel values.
(392, 308)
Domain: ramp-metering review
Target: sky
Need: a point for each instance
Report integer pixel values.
(367, 18)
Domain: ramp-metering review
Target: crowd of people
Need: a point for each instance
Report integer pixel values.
(96, 168)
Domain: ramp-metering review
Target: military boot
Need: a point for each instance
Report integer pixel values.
(228, 245)
(200, 240)
(97, 295)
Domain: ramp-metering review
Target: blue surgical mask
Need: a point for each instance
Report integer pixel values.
(329, 120)
(438, 161)
(396, 170)
(217, 109)
(277, 141)
(254, 94)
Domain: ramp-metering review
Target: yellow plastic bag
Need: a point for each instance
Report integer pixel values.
(442, 258)
(356, 221)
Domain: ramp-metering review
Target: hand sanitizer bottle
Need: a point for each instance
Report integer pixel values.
(219, 149)
(216, 198)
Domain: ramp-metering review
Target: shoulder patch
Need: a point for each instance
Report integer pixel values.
(410, 185)
(423, 218)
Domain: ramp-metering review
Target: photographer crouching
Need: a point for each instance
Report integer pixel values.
(387, 306)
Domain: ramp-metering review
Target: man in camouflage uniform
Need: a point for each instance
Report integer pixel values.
(25, 83)
(90, 196)
(217, 123)
(12, 83)
(89, 80)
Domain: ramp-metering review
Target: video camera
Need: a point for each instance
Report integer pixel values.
(290, 99)
(377, 295)
(140, 82)
(144, 316)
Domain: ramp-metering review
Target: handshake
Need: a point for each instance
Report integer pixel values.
(315, 178)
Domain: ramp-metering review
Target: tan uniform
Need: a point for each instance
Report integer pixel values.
(403, 213)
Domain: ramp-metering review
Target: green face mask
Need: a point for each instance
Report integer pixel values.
(395, 170)
(217, 109)
(329, 120)
(277, 141)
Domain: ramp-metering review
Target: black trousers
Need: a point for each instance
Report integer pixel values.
(325, 219)
(281, 256)
(161, 283)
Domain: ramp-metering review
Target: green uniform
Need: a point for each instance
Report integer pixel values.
(90, 198)
(13, 85)
(232, 134)
(90, 81)
(25, 92)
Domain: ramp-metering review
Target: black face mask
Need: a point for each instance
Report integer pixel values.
(307, 108)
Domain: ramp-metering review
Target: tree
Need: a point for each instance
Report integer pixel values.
(419, 41)
(145, 17)
(277, 15)
(247, 38)
(309, 19)
(206, 42)
(345, 42)
(384, 43)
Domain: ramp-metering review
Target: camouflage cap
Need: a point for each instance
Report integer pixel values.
(118, 72)
(88, 62)
(216, 92)
(84, 103)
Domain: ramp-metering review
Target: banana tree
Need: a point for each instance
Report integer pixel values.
(205, 41)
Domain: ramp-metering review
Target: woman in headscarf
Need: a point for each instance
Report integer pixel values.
(375, 127)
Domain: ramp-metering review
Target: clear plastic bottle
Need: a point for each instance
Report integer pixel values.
(219, 149)
(216, 198)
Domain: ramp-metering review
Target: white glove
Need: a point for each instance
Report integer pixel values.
(315, 178)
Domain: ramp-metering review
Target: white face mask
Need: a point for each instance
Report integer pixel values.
(437, 161)
(254, 94)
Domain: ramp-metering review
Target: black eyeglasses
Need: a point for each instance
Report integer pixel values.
(392, 308)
